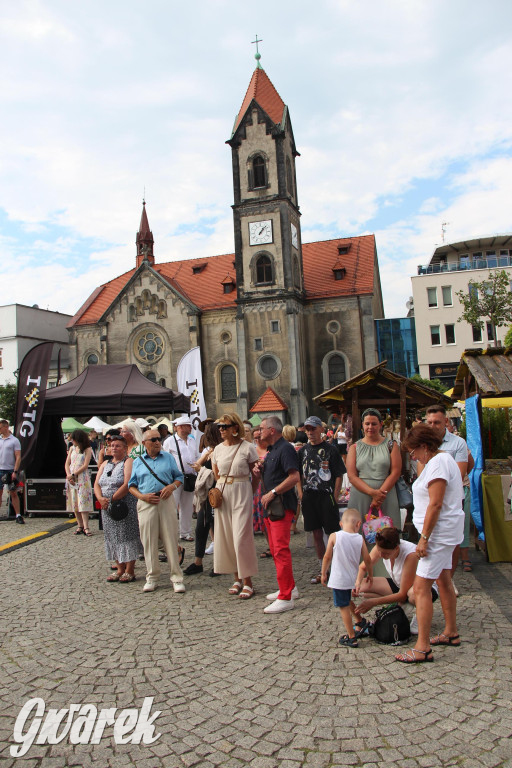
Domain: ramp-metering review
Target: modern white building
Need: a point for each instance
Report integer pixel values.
(440, 337)
(22, 328)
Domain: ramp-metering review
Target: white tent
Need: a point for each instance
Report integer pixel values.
(98, 424)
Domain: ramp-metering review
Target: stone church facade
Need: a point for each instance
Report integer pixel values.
(276, 312)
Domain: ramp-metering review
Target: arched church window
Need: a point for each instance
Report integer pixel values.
(258, 169)
(161, 382)
(151, 376)
(337, 373)
(228, 382)
(162, 309)
(264, 269)
(93, 359)
(132, 313)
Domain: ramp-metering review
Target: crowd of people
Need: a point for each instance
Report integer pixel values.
(238, 480)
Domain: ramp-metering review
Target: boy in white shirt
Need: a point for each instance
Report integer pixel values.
(344, 551)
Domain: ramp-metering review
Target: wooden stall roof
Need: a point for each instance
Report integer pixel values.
(487, 372)
(379, 387)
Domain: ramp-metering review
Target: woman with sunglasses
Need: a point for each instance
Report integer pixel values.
(105, 452)
(233, 462)
(122, 538)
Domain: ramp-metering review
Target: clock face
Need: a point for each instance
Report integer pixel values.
(295, 237)
(260, 232)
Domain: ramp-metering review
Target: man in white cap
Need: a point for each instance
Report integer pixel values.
(182, 445)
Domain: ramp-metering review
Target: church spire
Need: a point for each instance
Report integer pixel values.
(144, 239)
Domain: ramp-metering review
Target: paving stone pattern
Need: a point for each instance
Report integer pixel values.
(237, 687)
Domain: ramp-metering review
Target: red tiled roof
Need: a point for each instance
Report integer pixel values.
(319, 259)
(263, 91)
(205, 289)
(269, 401)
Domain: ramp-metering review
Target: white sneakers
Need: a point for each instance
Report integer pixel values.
(275, 595)
(209, 550)
(150, 586)
(279, 606)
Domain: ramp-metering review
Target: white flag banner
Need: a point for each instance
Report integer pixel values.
(189, 379)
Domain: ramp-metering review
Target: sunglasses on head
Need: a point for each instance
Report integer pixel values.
(153, 440)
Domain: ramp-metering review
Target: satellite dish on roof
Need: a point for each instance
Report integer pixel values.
(410, 304)
(35, 306)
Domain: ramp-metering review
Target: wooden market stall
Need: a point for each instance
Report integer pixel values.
(380, 388)
(488, 373)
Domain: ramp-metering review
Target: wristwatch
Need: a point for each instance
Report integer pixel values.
(423, 536)
(274, 491)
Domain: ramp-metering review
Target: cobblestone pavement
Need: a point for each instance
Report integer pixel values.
(236, 687)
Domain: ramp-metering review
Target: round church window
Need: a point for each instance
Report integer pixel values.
(149, 347)
(269, 366)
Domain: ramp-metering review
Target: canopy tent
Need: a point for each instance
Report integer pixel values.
(69, 424)
(104, 389)
(380, 388)
(111, 389)
(97, 424)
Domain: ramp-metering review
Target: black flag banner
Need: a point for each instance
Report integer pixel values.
(32, 379)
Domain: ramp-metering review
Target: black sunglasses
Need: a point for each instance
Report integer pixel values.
(153, 440)
(227, 426)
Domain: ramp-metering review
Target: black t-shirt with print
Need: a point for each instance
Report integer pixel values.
(320, 465)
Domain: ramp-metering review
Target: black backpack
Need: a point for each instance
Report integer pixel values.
(391, 626)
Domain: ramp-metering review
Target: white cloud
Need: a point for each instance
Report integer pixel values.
(104, 100)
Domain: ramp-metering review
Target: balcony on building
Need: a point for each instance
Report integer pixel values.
(493, 252)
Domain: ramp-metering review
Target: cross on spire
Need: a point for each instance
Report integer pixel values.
(257, 55)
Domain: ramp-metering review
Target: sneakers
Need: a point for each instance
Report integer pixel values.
(178, 586)
(279, 606)
(188, 537)
(149, 586)
(414, 625)
(209, 550)
(193, 568)
(275, 595)
(20, 520)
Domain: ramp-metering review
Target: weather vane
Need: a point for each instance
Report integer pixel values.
(257, 55)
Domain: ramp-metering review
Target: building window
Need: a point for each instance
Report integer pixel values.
(93, 359)
(151, 376)
(435, 336)
(477, 333)
(258, 169)
(450, 333)
(432, 297)
(228, 287)
(333, 327)
(225, 337)
(161, 382)
(275, 326)
(228, 383)
(336, 369)
(490, 332)
(447, 296)
(149, 347)
(263, 269)
(269, 367)
(473, 291)
(258, 344)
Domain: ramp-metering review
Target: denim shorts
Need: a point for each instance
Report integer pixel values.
(341, 597)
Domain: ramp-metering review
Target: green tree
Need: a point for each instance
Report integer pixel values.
(508, 337)
(489, 300)
(432, 383)
(8, 402)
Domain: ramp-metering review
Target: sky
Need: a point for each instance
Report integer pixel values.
(401, 112)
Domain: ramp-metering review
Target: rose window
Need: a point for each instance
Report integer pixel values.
(149, 347)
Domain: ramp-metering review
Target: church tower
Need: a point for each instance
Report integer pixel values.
(144, 240)
(268, 247)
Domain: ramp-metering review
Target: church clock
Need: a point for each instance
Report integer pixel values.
(260, 232)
